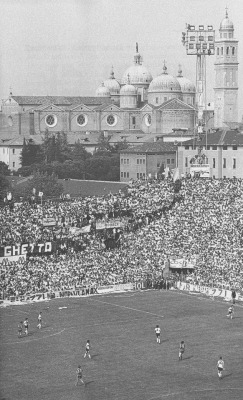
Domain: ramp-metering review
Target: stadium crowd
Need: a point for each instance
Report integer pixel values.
(202, 224)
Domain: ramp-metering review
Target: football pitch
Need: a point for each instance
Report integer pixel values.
(126, 363)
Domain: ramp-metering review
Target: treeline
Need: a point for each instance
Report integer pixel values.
(56, 156)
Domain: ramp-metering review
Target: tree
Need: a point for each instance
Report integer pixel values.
(4, 169)
(5, 186)
(55, 147)
(31, 153)
(79, 153)
(42, 182)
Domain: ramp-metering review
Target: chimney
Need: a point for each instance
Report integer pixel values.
(32, 123)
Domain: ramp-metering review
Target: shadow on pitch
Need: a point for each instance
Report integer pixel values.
(88, 383)
(94, 356)
(187, 358)
(226, 375)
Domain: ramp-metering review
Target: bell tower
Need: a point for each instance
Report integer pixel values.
(226, 75)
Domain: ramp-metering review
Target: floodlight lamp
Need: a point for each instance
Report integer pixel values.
(191, 27)
(201, 27)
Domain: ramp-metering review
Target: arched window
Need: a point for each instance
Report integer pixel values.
(233, 51)
(227, 51)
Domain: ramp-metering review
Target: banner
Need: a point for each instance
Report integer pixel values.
(23, 249)
(49, 222)
(208, 291)
(6, 260)
(78, 231)
(112, 223)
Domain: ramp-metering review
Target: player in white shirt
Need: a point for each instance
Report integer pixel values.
(220, 366)
(182, 349)
(87, 349)
(230, 312)
(39, 320)
(157, 332)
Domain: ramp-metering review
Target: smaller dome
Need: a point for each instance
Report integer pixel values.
(164, 82)
(102, 91)
(226, 23)
(112, 84)
(128, 90)
(185, 84)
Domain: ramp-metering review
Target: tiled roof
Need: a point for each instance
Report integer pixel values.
(60, 100)
(18, 140)
(151, 148)
(175, 104)
(219, 138)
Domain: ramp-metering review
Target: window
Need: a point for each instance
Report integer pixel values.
(156, 100)
(3, 150)
(13, 164)
(213, 176)
(234, 163)
(186, 162)
(121, 160)
(172, 161)
(137, 160)
(227, 51)
(82, 120)
(165, 98)
(225, 147)
(214, 147)
(201, 38)
(217, 51)
(121, 174)
(133, 120)
(138, 175)
(143, 160)
(187, 147)
(13, 151)
(141, 174)
(51, 120)
(111, 120)
(127, 160)
(214, 162)
(168, 160)
(158, 164)
(191, 46)
(233, 51)
(210, 38)
(224, 162)
(234, 147)
(148, 119)
(222, 51)
(127, 174)
(208, 147)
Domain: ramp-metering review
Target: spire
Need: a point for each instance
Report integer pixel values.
(226, 12)
(179, 71)
(112, 73)
(137, 57)
(164, 69)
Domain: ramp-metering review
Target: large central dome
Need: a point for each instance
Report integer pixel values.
(138, 74)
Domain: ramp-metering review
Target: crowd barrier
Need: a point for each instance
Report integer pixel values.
(77, 292)
(208, 291)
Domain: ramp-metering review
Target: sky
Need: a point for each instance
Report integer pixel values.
(67, 47)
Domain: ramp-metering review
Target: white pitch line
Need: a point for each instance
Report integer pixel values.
(128, 308)
(160, 396)
(32, 340)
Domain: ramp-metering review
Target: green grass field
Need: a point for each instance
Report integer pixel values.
(127, 363)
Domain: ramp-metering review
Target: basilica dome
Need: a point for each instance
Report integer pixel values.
(102, 91)
(164, 83)
(186, 85)
(138, 73)
(128, 90)
(112, 84)
(226, 23)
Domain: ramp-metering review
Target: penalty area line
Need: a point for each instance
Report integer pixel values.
(128, 308)
(32, 340)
